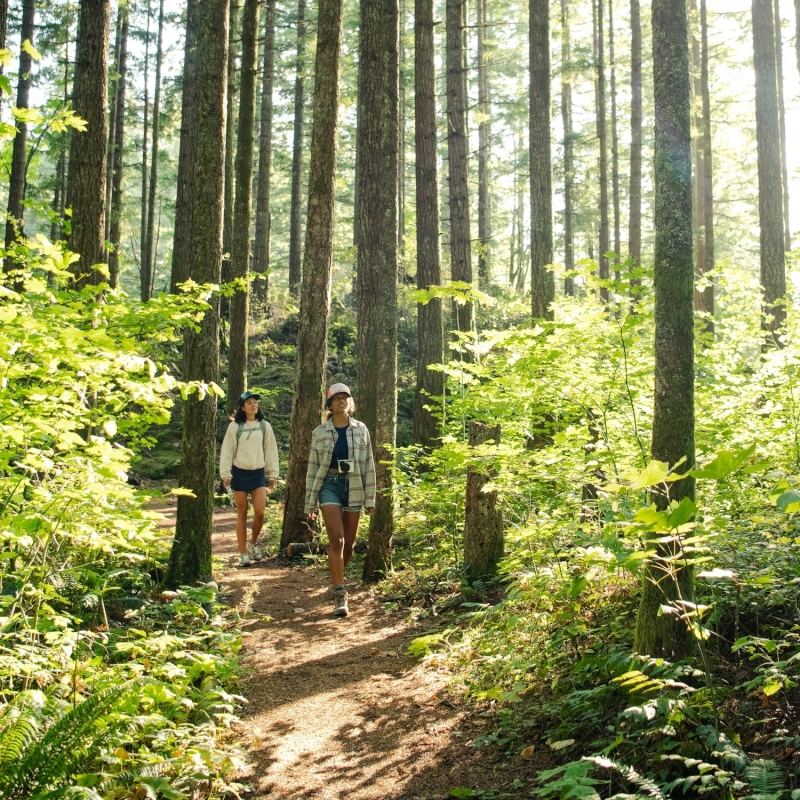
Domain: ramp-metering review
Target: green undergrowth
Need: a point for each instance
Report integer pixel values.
(546, 647)
(109, 687)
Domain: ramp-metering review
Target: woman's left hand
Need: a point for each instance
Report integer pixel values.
(272, 483)
(368, 511)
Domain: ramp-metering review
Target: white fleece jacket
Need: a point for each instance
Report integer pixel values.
(254, 451)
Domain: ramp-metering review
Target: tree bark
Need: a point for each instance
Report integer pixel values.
(190, 558)
(704, 297)
(483, 521)
(153, 187)
(430, 333)
(263, 216)
(614, 142)
(19, 165)
(144, 254)
(797, 31)
(240, 246)
(230, 149)
(187, 156)
(566, 121)
(602, 138)
(770, 200)
(542, 278)
(112, 118)
(457, 154)
(60, 194)
(377, 261)
(117, 156)
(787, 230)
(673, 272)
(635, 189)
(401, 143)
(312, 336)
(87, 161)
(296, 203)
(698, 153)
(484, 139)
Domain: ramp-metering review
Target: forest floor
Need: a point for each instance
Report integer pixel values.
(336, 707)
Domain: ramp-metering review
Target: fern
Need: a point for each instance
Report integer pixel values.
(644, 784)
(765, 778)
(20, 723)
(69, 793)
(70, 742)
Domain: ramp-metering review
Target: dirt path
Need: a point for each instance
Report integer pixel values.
(337, 709)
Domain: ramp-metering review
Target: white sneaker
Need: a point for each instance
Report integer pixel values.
(245, 560)
(256, 553)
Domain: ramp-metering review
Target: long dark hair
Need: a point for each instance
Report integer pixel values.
(240, 416)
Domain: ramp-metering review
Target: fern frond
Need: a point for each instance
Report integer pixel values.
(765, 777)
(70, 742)
(71, 792)
(20, 724)
(644, 784)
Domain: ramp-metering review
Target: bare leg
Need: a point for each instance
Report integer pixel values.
(240, 498)
(332, 516)
(350, 526)
(259, 502)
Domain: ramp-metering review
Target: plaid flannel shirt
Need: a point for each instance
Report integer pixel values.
(362, 478)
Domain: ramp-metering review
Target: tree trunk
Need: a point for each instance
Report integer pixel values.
(614, 142)
(262, 233)
(787, 230)
(673, 419)
(698, 153)
(770, 200)
(377, 261)
(401, 144)
(704, 296)
(156, 130)
(144, 254)
(566, 121)
(112, 118)
(483, 521)
(296, 203)
(484, 138)
(116, 161)
(240, 246)
(457, 166)
(312, 336)
(602, 138)
(430, 333)
(230, 137)
(190, 558)
(19, 165)
(635, 190)
(542, 278)
(187, 156)
(60, 194)
(87, 161)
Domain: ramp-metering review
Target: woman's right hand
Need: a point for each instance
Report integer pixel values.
(226, 482)
(312, 515)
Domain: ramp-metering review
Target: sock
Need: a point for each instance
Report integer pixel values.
(338, 587)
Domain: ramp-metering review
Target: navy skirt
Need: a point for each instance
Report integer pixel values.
(245, 480)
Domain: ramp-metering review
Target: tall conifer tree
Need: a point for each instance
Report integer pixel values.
(542, 278)
(667, 582)
(377, 260)
(296, 203)
(312, 336)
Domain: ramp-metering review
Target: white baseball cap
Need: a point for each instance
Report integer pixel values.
(338, 388)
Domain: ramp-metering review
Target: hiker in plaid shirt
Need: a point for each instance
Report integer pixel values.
(341, 481)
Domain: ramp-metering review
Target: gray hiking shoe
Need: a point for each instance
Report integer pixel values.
(340, 604)
(245, 560)
(256, 553)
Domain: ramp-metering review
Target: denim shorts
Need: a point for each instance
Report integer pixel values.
(335, 490)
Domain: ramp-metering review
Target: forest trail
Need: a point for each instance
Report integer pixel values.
(337, 709)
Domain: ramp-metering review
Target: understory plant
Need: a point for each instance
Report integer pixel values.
(109, 687)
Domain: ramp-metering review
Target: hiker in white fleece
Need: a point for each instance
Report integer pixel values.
(248, 463)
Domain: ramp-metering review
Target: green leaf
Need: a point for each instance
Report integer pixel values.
(789, 501)
(726, 462)
(681, 514)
